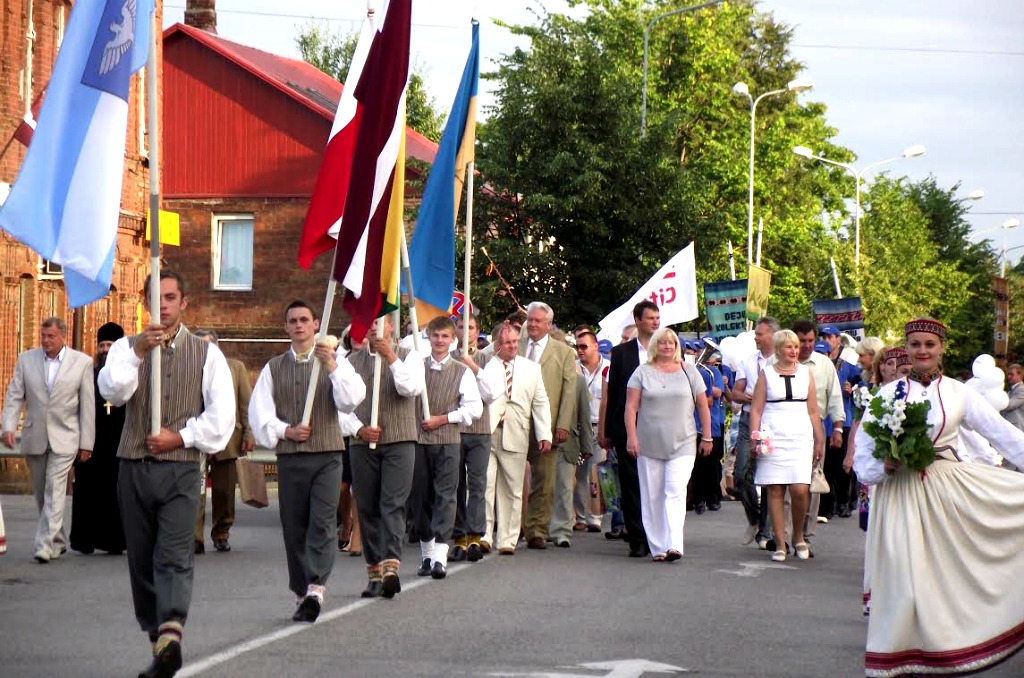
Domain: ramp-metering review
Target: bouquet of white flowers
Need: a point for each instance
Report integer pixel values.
(900, 429)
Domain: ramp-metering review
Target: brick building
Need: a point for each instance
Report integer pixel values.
(30, 35)
(244, 133)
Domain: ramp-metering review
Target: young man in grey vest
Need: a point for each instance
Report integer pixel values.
(158, 479)
(308, 456)
(382, 477)
(454, 402)
(470, 513)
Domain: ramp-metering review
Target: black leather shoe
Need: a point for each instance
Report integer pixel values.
(438, 571)
(700, 507)
(474, 553)
(562, 543)
(165, 664)
(424, 570)
(200, 548)
(457, 554)
(845, 512)
(638, 550)
(715, 506)
(372, 590)
(391, 585)
(221, 545)
(308, 611)
(613, 535)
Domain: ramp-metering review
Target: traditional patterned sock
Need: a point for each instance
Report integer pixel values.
(170, 632)
(462, 540)
(389, 568)
(317, 592)
(474, 539)
(427, 550)
(374, 572)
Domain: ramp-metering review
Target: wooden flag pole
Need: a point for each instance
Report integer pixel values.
(407, 271)
(154, 222)
(375, 402)
(325, 321)
(466, 304)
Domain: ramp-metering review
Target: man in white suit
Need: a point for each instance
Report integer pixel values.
(520, 397)
(54, 384)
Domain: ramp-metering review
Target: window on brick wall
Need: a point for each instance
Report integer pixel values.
(232, 251)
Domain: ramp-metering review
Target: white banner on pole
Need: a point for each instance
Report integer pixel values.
(673, 288)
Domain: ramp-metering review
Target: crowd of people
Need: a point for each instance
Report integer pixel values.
(484, 448)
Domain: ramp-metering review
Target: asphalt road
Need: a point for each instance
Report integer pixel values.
(724, 610)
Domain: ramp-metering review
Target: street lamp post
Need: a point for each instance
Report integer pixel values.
(1007, 225)
(798, 85)
(647, 36)
(914, 151)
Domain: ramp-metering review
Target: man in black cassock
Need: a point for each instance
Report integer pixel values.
(95, 516)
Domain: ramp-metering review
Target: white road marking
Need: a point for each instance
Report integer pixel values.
(757, 569)
(207, 663)
(617, 668)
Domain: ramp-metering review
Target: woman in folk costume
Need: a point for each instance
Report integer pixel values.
(946, 544)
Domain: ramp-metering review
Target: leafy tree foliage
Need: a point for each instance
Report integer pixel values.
(332, 52)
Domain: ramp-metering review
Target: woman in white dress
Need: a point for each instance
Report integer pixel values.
(785, 407)
(946, 546)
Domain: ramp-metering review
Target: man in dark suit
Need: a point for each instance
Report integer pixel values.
(612, 426)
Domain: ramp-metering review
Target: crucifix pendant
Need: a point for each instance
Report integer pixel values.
(107, 405)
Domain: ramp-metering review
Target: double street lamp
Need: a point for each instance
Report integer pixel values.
(914, 151)
(740, 88)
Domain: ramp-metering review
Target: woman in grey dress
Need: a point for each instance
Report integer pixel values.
(661, 397)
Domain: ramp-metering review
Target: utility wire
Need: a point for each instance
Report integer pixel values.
(866, 48)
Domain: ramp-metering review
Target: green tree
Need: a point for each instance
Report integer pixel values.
(332, 52)
(584, 210)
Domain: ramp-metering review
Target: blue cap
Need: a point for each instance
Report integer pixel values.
(604, 347)
(829, 330)
(822, 347)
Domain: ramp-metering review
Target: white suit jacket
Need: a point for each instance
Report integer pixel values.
(529, 399)
(63, 418)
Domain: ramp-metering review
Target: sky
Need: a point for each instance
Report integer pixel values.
(944, 73)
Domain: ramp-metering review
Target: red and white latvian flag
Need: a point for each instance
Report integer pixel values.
(369, 240)
(327, 205)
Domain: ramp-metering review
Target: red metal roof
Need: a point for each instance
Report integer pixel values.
(301, 81)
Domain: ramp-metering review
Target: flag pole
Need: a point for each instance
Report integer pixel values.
(412, 316)
(467, 305)
(154, 222)
(835, 277)
(732, 261)
(760, 232)
(325, 321)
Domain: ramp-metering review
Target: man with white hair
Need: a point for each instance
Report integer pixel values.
(558, 369)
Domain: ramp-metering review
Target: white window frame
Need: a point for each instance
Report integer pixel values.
(49, 270)
(216, 221)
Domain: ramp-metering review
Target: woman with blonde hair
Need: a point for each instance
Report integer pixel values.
(786, 430)
(661, 434)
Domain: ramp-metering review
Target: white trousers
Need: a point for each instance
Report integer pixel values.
(663, 500)
(49, 486)
(505, 474)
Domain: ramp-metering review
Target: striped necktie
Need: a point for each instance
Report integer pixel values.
(508, 380)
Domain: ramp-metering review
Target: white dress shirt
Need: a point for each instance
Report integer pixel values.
(641, 351)
(749, 369)
(53, 366)
(471, 405)
(212, 429)
(595, 380)
(409, 378)
(348, 390)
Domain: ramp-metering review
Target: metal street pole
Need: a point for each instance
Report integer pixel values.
(647, 36)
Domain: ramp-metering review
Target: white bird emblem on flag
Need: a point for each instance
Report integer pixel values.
(124, 36)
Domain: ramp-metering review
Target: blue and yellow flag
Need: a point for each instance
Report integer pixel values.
(432, 249)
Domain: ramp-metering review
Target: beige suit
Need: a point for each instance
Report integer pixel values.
(558, 367)
(511, 420)
(59, 421)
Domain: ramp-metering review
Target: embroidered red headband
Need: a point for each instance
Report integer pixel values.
(926, 325)
(900, 355)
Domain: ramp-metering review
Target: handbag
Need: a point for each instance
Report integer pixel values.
(252, 485)
(818, 483)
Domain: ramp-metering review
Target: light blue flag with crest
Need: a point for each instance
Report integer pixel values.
(66, 202)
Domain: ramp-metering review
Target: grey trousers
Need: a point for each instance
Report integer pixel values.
(581, 495)
(562, 512)
(381, 480)
(470, 504)
(159, 501)
(308, 486)
(49, 473)
(434, 484)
